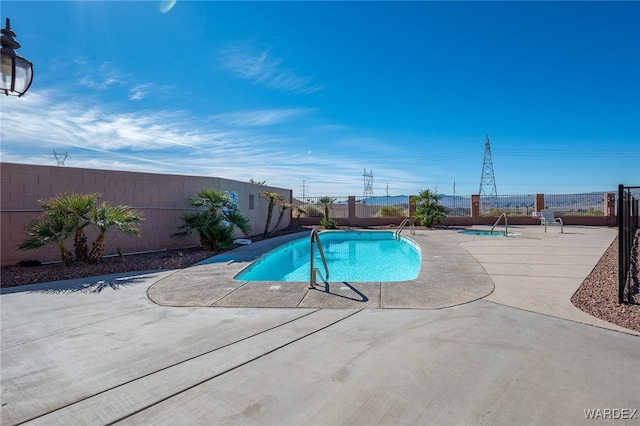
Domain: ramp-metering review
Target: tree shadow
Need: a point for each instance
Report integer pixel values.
(89, 285)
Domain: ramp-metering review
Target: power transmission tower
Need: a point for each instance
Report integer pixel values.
(368, 183)
(304, 189)
(488, 179)
(60, 159)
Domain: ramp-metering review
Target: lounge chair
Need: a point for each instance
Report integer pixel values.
(547, 218)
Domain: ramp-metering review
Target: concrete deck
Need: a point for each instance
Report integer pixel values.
(99, 351)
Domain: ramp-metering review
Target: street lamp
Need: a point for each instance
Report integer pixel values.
(17, 72)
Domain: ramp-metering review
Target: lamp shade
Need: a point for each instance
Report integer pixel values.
(16, 72)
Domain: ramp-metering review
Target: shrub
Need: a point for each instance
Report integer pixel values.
(390, 211)
(329, 223)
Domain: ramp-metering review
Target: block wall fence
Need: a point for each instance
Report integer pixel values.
(161, 198)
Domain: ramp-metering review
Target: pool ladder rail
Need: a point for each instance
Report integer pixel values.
(315, 238)
(506, 227)
(403, 224)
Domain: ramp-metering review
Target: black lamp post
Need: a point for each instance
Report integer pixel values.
(17, 72)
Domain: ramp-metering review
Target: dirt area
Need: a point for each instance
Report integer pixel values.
(597, 296)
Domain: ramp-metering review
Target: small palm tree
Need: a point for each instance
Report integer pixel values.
(211, 199)
(429, 212)
(76, 209)
(215, 226)
(49, 229)
(326, 203)
(105, 217)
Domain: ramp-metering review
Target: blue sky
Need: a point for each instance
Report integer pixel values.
(320, 91)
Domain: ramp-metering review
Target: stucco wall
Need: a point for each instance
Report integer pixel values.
(162, 199)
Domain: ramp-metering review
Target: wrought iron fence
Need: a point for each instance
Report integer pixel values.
(456, 205)
(338, 207)
(591, 204)
(628, 216)
(386, 206)
(512, 205)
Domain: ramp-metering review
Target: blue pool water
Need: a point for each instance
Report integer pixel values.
(487, 233)
(352, 256)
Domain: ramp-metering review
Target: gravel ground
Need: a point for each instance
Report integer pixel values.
(597, 296)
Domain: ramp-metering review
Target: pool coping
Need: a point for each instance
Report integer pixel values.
(449, 276)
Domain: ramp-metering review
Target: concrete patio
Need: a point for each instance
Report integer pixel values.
(487, 335)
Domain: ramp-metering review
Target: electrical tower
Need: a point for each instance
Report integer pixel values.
(304, 190)
(488, 179)
(60, 159)
(368, 183)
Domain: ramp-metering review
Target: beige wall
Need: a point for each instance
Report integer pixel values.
(162, 199)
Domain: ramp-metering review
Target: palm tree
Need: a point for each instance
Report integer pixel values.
(283, 208)
(48, 229)
(429, 212)
(211, 199)
(76, 210)
(215, 226)
(326, 203)
(272, 198)
(105, 217)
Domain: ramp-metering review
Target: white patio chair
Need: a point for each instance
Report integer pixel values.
(547, 218)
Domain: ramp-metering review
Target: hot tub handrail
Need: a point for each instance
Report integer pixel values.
(313, 270)
(402, 226)
(506, 228)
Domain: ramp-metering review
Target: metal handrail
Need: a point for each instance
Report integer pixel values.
(506, 227)
(402, 225)
(313, 270)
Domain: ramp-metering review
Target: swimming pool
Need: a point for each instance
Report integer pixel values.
(486, 233)
(352, 256)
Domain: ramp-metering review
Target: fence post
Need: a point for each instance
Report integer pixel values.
(351, 200)
(475, 206)
(610, 204)
(621, 242)
(538, 204)
(412, 206)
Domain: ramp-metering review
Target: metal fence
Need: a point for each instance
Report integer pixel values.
(512, 205)
(365, 207)
(627, 227)
(591, 204)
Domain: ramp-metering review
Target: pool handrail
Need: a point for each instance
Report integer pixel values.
(402, 226)
(506, 228)
(314, 237)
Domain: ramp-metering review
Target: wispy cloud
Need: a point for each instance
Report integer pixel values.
(98, 136)
(139, 91)
(259, 118)
(261, 67)
(105, 77)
